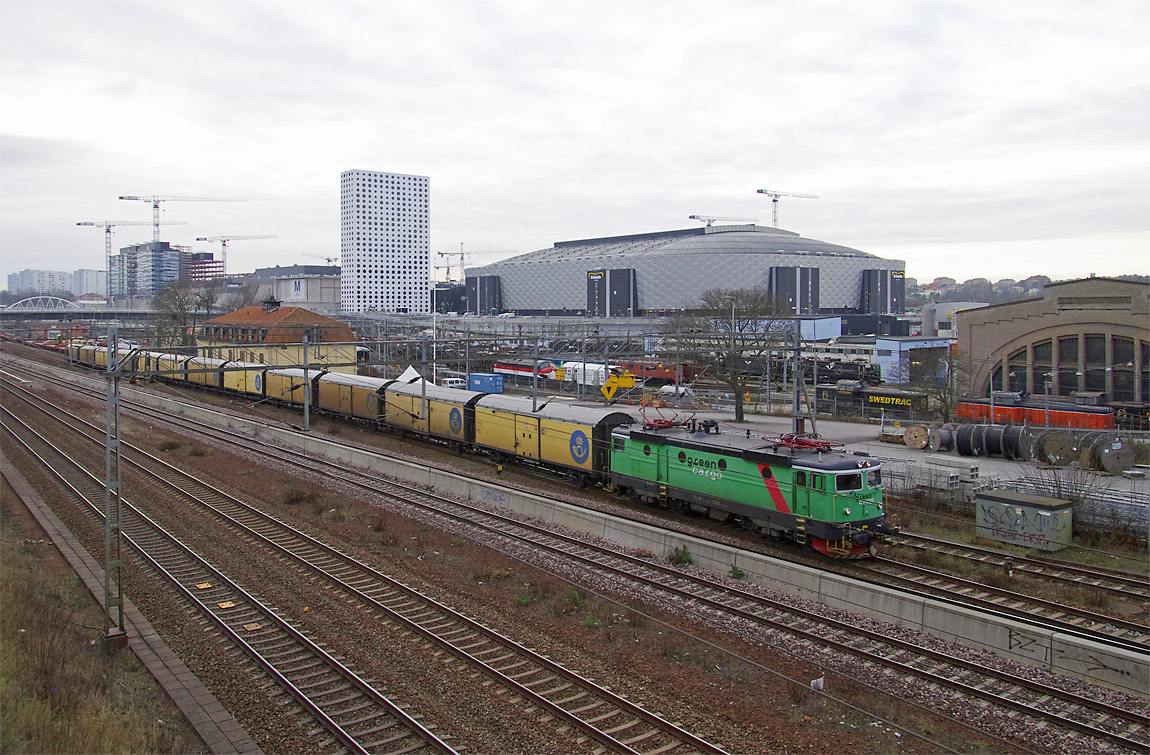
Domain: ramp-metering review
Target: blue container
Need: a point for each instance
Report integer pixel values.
(485, 381)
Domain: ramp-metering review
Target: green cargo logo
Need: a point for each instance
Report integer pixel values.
(704, 467)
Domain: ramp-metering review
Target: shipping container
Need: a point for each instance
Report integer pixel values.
(485, 381)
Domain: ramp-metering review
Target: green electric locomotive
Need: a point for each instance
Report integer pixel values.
(791, 487)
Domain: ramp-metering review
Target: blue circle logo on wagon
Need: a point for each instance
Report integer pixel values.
(455, 421)
(259, 382)
(580, 447)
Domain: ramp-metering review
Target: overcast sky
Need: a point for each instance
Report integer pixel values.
(971, 139)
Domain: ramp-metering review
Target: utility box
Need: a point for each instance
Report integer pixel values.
(1032, 521)
(488, 382)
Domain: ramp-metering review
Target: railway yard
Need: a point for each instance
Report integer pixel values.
(331, 598)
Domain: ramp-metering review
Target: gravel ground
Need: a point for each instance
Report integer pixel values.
(637, 652)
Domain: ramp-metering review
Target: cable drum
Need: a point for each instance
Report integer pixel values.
(916, 437)
(965, 441)
(1110, 454)
(1084, 449)
(1017, 442)
(1053, 447)
(940, 438)
(993, 440)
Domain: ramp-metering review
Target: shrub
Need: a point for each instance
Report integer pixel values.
(295, 494)
(681, 557)
(736, 572)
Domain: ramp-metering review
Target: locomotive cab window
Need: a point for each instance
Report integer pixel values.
(852, 481)
(817, 481)
(800, 479)
(618, 444)
(874, 478)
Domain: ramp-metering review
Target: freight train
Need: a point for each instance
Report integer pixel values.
(792, 487)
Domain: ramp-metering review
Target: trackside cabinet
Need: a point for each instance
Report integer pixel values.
(1032, 521)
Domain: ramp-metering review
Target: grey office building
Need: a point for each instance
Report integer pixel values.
(662, 272)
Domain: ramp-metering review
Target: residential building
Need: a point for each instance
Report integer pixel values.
(90, 282)
(385, 231)
(33, 282)
(938, 318)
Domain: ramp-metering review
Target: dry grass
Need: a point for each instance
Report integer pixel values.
(60, 692)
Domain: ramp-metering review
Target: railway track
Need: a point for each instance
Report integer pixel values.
(1066, 619)
(609, 719)
(1053, 706)
(1114, 581)
(357, 717)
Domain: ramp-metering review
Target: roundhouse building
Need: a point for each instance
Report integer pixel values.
(656, 273)
(1083, 336)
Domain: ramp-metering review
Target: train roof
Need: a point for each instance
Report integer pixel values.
(562, 411)
(362, 381)
(433, 391)
(295, 372)
(750, 448)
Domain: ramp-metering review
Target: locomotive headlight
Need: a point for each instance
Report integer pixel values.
(847, 512)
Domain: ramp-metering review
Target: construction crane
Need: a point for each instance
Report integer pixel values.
(324, 257)
(224, 244)
(774, 195)
(157, 198)
(108, 225)
(463, 255)
(708, 219)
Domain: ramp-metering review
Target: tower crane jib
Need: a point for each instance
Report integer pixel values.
(774, 195)
(155, 199)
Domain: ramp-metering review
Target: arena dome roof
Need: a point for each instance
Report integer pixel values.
(668, 270)
(740, 239)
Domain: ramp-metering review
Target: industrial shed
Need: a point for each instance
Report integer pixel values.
(657, 273)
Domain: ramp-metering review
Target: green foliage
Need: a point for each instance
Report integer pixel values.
(681, 557)
(736, 572)
(170, 445)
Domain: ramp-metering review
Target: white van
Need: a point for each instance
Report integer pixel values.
(454, 382)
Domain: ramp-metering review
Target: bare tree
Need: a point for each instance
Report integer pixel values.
(941, 379)
(207, 296)
(176, 305)
(733, 328)
(238, 298)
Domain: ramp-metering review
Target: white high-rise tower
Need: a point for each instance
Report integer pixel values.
(385, 249)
